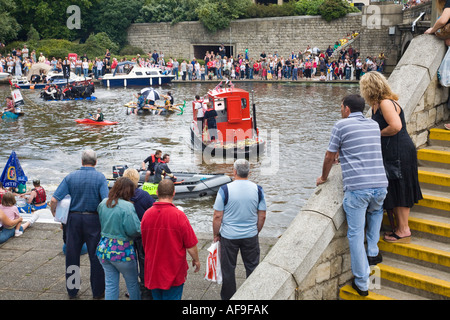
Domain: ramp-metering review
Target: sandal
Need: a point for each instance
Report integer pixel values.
(447, 126)
(398, 239)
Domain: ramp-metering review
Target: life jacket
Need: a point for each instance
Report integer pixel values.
(40, 195)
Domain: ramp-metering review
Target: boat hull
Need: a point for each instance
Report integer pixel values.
(211, 150)
(139, 81)
(189, 185)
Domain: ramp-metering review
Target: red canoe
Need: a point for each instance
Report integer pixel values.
(98, 123)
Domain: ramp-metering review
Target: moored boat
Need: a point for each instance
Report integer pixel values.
(237, 134)
(136, 76)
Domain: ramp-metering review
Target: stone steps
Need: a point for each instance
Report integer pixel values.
(419, 270)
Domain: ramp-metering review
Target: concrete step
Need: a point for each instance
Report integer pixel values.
(428, 252)
(410, 277)
(385, 293)
(428, 225)
(435, 200)
(434, 156)
(439, 137)
(434, 178)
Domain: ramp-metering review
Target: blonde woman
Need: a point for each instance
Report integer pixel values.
(444, 7)
(396, 144)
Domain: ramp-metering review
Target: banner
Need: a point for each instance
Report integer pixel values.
(13, 174)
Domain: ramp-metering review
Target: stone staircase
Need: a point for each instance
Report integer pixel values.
(419, 270)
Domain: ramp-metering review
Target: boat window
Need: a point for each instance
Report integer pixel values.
(154, 73)
(219, 104)
(138, 73)
(243, 103)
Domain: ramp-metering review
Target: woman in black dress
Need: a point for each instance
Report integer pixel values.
(396, 144)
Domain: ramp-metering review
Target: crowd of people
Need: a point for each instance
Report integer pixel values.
(338, 62)
(126, 232)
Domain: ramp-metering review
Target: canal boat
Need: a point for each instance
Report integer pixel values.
(136, 76)
(237, 132)
(187, 185)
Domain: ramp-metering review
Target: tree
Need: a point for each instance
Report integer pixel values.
(335, 9)
(9, 28)
(115, 16)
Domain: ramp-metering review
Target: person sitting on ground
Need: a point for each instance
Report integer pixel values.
(99, 115)
(37, 196)
(11, 211)
(162, 170)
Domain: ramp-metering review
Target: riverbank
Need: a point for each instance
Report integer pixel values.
(32, 268)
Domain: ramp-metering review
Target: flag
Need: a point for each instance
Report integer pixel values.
(13, 174)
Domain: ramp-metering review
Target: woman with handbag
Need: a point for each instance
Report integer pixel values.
(115, 250)
(399, 154)
(442, 26)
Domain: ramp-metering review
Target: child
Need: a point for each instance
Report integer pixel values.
(10, 209)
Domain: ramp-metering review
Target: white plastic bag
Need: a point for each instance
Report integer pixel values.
(213, 270)
(444, 70)
(62, 209)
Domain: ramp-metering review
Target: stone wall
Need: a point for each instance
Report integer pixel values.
(284, 34)
(311, 259)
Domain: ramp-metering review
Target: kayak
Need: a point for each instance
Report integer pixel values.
(98, 123)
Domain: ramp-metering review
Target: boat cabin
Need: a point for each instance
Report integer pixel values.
(234, 120)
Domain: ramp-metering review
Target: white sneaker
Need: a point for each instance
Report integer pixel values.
(18, 233)
(33, 218)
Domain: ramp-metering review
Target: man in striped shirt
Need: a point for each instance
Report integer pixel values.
(357, 139)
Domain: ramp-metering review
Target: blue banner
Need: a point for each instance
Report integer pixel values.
(13, 174)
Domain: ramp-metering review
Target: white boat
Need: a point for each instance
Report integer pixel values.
(38, 71)
(137, 76)
(4, 75)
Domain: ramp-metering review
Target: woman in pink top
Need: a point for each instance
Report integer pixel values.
(11, 211)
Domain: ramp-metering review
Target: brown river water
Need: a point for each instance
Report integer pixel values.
(294, 118)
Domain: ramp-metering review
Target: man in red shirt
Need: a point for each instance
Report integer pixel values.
(166, 236)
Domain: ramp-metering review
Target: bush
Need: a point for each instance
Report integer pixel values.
(57, 48)
(335, 9)
(130, 50)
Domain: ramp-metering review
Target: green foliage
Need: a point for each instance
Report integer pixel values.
(115, 16)
(307, 7)
(335, 9)
(57, 48)
(32, 37)
(96, 45)
(9, 28)
(130, 50)
(168, 11)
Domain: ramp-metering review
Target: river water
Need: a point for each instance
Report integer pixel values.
(294, 118)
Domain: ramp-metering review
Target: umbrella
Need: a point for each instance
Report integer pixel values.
(13, 174)
(150, 94)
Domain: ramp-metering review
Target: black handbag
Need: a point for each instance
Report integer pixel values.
(393, 169)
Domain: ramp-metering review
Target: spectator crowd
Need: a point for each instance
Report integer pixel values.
(338, 62)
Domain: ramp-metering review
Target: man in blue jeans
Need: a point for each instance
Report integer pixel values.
(239, 216)
(358, 141)
(87, 188)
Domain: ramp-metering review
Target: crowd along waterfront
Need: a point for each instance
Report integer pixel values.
(295, 119)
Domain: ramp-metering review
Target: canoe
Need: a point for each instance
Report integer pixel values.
(188, 184)
(98, 123)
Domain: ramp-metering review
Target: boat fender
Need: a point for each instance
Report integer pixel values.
(225, 193)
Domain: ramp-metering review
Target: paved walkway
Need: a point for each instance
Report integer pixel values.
(32, 267)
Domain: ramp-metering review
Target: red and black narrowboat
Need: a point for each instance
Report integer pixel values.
(237, 133)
